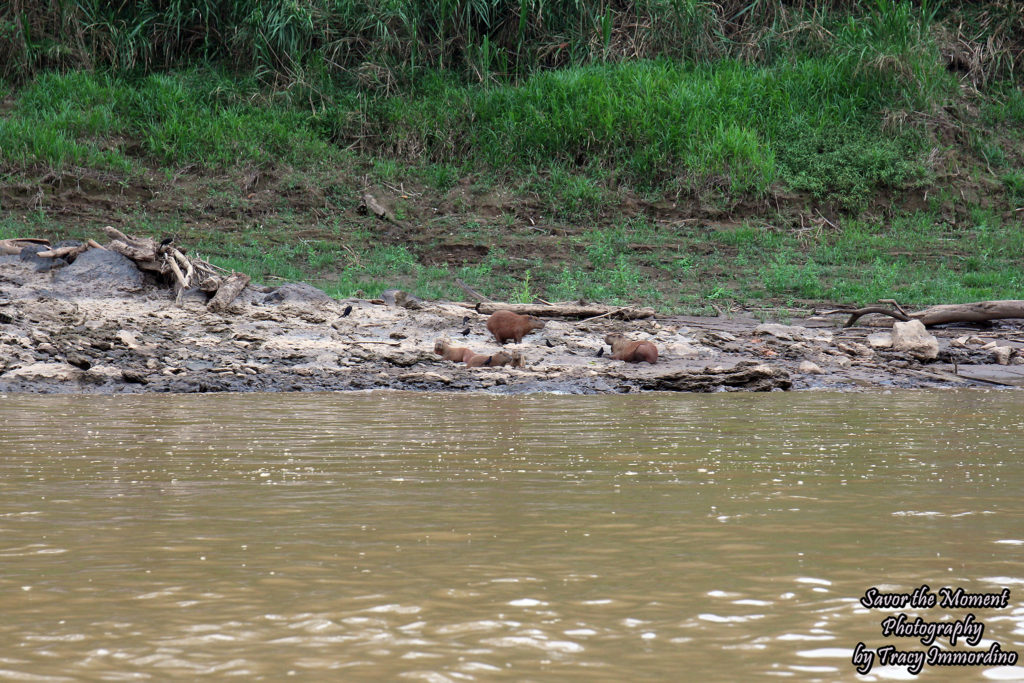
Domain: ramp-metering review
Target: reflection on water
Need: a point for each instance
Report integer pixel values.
(454, 537)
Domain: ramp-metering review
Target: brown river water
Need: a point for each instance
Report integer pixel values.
(394, 536)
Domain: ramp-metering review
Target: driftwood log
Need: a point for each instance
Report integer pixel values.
(979, 311)
(13, 247)
(228, 291)
(565, 310)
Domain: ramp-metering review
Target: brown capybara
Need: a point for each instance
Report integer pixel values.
(449, 352)
(505, 325)
(497, 360)
(631, 351)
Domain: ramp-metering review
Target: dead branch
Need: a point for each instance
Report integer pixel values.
(64, 252)
(143, 243)
(565, 310)
(979, 311)
(13, 247)
(473, 294)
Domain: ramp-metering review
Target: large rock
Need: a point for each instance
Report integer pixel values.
(296, 293)
(99, 272)
(915, 340)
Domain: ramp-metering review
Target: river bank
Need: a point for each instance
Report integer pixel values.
(85, 329)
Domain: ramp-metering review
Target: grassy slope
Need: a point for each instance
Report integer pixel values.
(840, 176)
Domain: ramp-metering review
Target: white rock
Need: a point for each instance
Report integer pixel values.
(127, 338)
(793, 332)
(681, 350)
(1002, 354)
(855, 349)
(101, 374)
(41, 371)
(809, 368)
(879, 340)
(911, 337)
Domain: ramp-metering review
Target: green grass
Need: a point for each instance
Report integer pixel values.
(810, 123)
(595, 129)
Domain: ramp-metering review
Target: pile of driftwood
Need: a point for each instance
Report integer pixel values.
(161, 258)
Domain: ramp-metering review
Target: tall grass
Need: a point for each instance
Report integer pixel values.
(380, 42)
(813, 123)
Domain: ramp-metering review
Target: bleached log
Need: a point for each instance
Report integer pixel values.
(979, 311)
(565, 310)
(228, 291)
(14, 246)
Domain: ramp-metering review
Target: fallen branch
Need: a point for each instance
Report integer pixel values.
(13, 247)
(980, 311)
(565, 310)
(64, 252)
(228, 291)
(473, 294)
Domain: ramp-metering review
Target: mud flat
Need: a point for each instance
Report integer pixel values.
(99, 325)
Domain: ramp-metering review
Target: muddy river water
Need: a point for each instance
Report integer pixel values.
(399, 536)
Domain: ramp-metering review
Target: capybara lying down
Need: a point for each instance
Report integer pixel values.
(449, 352)
(478, 360)
(631, 351)
(505, 325)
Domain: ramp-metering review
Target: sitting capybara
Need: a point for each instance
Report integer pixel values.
(449, 352)
(505, 325)
(631, 351)
(478, 360)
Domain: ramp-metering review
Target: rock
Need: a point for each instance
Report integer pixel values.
(855, 349)
(134, 376)
(793, 332)
(102, 374)
(79, 361)
(425, 378)
(681, 350)
(100, 273)
(1002, 354)
(39, 337)
(911, 337)
(296, 292)
(51, 350)
(60, 372)
(127, 338)
(748, 375)
(879, 340)
(809, 368)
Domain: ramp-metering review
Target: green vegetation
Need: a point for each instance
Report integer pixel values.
(672, 152)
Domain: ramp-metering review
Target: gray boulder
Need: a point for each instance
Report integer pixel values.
(99, 272)
(295, 293)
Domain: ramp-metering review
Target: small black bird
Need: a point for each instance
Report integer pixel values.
(477, 307)
(601, 352)
(166, 241)
(465, 332)
(348, 309)
(465, 320)
(548, 342)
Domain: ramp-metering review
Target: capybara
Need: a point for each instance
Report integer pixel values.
(497, 360)
(505, 325)
(477, 360)
(449, 352)
(631, 351)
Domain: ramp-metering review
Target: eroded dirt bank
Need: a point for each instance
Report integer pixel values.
(96, 327)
